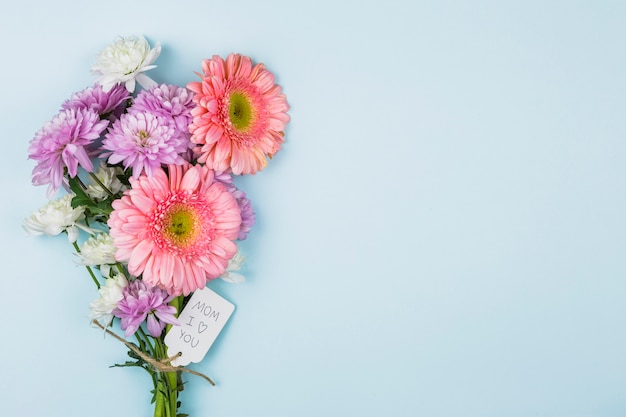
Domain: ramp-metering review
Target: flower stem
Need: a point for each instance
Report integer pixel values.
(166, 394)
(97, 180)
(93, 276)
(151, 349)
(82, 184)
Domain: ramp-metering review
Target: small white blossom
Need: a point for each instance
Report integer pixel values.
(98, 250)
(107, 271)
(108, 178)
(125, 61)
(235, 264)
(56, 217)
(110, 294)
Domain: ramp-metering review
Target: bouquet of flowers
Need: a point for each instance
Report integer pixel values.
(148, 198)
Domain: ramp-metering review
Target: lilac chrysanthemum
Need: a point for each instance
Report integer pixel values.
(245, 206)
(64, 143)
(226, 179)
(169, 101)
(96, 99)
(142, 303)
(144, 142)
(247, 214)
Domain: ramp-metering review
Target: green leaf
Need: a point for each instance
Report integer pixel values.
(125, 364)
(81, 198)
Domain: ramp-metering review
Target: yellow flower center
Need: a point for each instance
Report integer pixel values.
(241, 111)
(180, 225)
(143, 137)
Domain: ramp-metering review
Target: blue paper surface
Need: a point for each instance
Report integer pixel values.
(442, 234)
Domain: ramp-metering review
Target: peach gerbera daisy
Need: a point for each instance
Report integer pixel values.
(176, 229)
(240, 115)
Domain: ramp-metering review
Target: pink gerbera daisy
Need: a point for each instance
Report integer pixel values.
(176, 229)
(240, 115)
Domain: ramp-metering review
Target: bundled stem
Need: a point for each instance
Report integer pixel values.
(168, 384)
(162, 364)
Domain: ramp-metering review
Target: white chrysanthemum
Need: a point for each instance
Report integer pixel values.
(108, 178)
(125, 61)
(98, 250)
(110, 294)
(235, 264)
(56, 217)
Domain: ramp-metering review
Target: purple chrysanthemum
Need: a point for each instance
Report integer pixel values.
(247, 214)
(64, 143)
(96, 99)
(169, 101)
(144, 142)
(245, 206)
(141, 303)
(226, 179)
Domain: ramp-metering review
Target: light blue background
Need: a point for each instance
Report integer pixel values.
(443, 233)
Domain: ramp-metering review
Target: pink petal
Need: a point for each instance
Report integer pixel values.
(139, 257)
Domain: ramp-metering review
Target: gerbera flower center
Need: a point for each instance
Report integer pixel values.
(180, 225)
(241, 111)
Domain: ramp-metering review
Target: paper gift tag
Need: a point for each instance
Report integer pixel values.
(201, 321)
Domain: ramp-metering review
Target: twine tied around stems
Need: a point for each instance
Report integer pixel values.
(162, 365)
